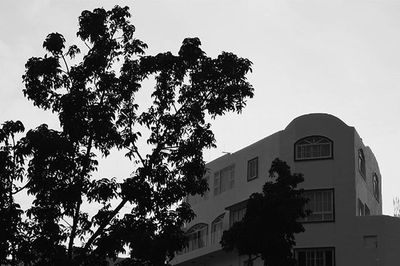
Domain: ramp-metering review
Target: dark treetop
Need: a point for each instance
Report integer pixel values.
(93, 93)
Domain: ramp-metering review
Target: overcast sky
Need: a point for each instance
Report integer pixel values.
(336, 57)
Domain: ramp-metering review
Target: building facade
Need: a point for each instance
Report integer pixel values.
(342, 181)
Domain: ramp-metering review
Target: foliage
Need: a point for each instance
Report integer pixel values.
(11, 171)
(94, 96)
(271, 220)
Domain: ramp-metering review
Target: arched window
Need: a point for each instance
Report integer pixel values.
(375, 186)
(197, 236)
(361, 162)
(216, 229)
(313, 147)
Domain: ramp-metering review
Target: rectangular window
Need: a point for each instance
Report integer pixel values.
(321, 205)
(252, 169)
(237, 215)
(315, 257)
(216, 231)
(224, 179)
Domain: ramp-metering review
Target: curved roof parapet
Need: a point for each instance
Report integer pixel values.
(315, 116)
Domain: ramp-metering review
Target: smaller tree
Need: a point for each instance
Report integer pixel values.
(271, 220)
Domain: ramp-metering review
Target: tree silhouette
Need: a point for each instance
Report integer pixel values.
(11, 171)
(271, 220)
(93, 93)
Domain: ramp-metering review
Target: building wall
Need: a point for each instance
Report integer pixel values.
(363, 184)
(346, 233)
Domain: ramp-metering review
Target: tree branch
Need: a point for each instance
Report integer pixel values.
(21, 188)
(66, 65)
(75, 218)
(103, 225)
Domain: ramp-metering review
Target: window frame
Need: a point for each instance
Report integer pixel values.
(375, 186)
(361, 163)
(332, 190)
(218, 220)
(218, 181)
(296, 144)
(236, 208)
(249, 177)
(196, 229)
(315, 249)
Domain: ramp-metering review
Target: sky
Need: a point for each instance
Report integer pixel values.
(309, 56)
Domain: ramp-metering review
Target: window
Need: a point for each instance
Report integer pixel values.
(361, 208)
(216, 229)
(237, 215)
(321, 205)
(237, 212)
(361, 162)
(375, 186)
(315, 257)
(252, 169)
(224, 179)
(197, 237)
(314, 147)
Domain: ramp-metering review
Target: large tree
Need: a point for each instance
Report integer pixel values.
(271, 220)
(93, 93)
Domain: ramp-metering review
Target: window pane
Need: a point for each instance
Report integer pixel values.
(252, 169)
(237, 215)
(197, 237)
(226, 180)
(321, 205)
(319, 258)
(329, 258)
(315, 257)
(216, 231)
(313, 148)
(310, 258)
(325, 149)
(301, 258)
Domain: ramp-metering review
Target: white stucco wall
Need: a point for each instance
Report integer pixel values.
(345, 233)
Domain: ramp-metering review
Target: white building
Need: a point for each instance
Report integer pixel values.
(342, 180)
